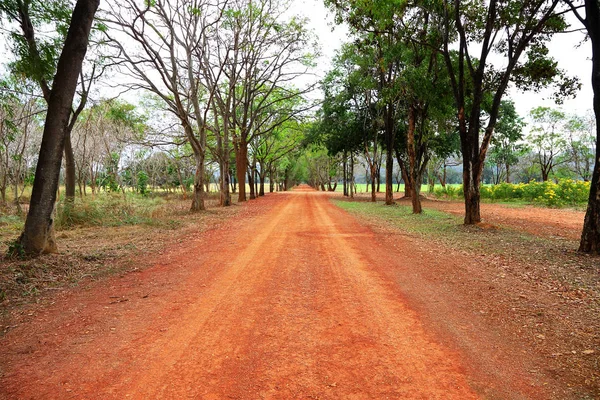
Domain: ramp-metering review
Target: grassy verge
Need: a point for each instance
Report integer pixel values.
(98, 237)
(506, 246)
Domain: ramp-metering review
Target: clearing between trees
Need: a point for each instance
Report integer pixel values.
(297, 298)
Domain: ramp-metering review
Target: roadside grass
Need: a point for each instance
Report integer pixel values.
(99, 236)
(506, 246)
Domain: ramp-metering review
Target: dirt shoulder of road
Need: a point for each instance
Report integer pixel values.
(535, 290)
(536, 220)
(88, 254)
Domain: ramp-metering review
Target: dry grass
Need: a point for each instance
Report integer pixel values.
(90, 251)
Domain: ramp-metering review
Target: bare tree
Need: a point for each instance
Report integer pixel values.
(156, 45)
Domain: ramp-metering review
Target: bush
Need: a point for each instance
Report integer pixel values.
(566, 192)
(107, 210)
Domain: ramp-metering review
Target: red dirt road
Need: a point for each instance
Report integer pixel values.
(286, 303)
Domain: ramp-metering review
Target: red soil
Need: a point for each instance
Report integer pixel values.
(294, 300)
(548, 222)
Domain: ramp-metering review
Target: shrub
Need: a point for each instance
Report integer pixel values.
(566, 192)
(111, 209)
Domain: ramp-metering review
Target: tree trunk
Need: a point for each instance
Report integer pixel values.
(225, 194)
(373, 186)
(413, 177)
(233, 180)
(69, 169)
(263, 176)
(198, 199)
(345, 173)
(38, 233)
(256, 179)
(590, 235)
(271, 181)
(250, 184)
(241, 165)
(352, 187)
(389, 158)
(544, 175)
(471, 182)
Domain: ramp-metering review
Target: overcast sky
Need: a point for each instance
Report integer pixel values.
(564, 48)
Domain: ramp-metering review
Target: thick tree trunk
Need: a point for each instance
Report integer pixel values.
(38, 233)
(373, 186)
(471, 183)
(590, 235)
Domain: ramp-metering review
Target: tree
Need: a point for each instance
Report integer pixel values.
(506, 148)
(547, 138)
(581, 145)
(590, 235)
(37, 57)
(473, 33)
(38, 233)
(163, 55)
(268, 52)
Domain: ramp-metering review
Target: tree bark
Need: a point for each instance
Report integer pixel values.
(389, 158)
(38, 233)
(262, 175)
(250, 184)
(590, 235)
(471, 183)
(198, 199)
(241, 165)
(352, 187)
(69, 169)
(413, 176)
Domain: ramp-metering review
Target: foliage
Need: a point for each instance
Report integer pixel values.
(566, 192)
(108, 210)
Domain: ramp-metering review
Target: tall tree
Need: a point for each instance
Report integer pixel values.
(474, 33)
(590, 236)
(548, 138)
(37, 57)
(38, 233)
(270, 52)
(159, 46)
(506, 148)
